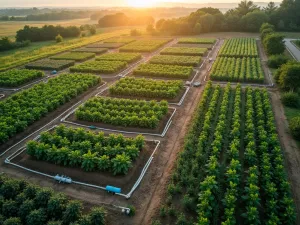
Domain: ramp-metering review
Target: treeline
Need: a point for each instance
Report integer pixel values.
(120, 19)
(246, 17)
(62, 15)
(7, 44)
(45, 33)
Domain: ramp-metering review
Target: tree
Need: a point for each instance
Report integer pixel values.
(253, 20)
(97, 216)
(58, 38)
(265, 33)
(73, 212)
(10, 208)
(274, 44)
(121, 164)
(42, 197)
(295, 127)
(93, 30)
(207, 22)
(271, 8)
(198, 28)
(36, 217)
(89, 161)
(150, 28)
(12, 221)
(245, 7)
(10, 189)
(265, 26)
(288, 76)
(56, 205)
(24, 210)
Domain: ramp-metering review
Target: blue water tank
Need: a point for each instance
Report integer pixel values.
(53, 72)
(113, 189)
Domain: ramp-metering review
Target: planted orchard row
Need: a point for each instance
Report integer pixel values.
(126, 57)
(184, 51)
(144, 45)
(123, 112)
(146, 88)
(239, 47)
(197, 41)
(50, 64)
(76, 56)
(159, 70)
(232, 136)
(125, 40)
(15, 78)
(237, 70)
(91, 50)
(88, 150)
(108, 67)
(176, 60)
(22, 109)
(25, 203)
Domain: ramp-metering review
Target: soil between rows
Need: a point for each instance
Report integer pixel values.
(174, 100)
(125, 182)
(160, 128)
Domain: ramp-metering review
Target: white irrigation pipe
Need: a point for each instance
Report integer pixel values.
(2, 96)
(39, 129)
(291, 53)
(120, 131)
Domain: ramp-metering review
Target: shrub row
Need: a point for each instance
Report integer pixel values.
(126, 57)
(184, 51)
(76, 56)
(50, 64)
(15, 78)
(239, 47)
(197, 41)
(108, 67)
(176, 60)
(144, 45)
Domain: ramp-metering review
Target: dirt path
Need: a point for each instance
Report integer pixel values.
(291, 151)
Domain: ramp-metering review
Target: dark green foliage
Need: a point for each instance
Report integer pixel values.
(13, 221)
(73, 212)
(10, 208)
(25, 208)
(290, 99)
(10, 189)
(45, 33)
(266, 26)
(56, 205)
(274, 44)
(54, 223)
(42, 197)
(36, 217)
(275, 61)
(295, 127)
(97, 216)
(7, 44)
(288, 76)
(132, 210)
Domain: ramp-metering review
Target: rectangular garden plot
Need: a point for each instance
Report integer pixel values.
(148, 89)
(16, 78)
(239, 47)
(233, 127)
(106, 45)
(89, 157)
(197, 41)
(176, 60)
(50, 64)
(123, 115)
(160, 70)
(97, 51)
(237, 70)
(106, 67)
(125, 40)
(30, 105)
(145, 45)
(184, 51)
(76, 56)
(126, 57)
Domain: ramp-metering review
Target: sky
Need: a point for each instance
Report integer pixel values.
(104, 3)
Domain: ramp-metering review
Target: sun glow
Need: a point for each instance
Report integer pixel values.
(141, 3)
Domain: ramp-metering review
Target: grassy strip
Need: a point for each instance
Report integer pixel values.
(22, 58)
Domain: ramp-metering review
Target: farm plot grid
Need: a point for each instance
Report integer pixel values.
(76, 56)
(15, 77)
(97, 51)
(184, 51)
(24, 108)
(125, 40)
(166, 71)
(232, 168)
(126, 57)
(239, 47)
(145, 46)
(50, 64)
(106, 67)
(197, 41)
(176, 60)
(237, 70)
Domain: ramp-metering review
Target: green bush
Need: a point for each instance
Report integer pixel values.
(295, 127)
(275, 61)
(58, 38)
(290, 99)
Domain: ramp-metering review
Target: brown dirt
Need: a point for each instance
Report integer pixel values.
(157, 130)
(174, 100)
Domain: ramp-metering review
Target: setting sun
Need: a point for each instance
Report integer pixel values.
(141, 4)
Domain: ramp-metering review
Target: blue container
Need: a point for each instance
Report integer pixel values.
(113, 189)
(53, 72)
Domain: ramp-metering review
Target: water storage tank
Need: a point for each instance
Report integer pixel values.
(113, 189)
(53, 72)
(63, 179)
